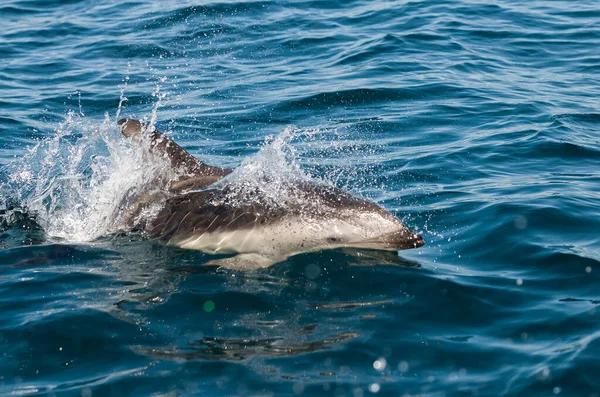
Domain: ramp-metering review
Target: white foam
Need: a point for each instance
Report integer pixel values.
(77, 181)
(272, 175)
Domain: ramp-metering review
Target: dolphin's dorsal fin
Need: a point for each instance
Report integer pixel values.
(194, 173)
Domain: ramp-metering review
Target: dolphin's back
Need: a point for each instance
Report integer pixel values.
(207, 211)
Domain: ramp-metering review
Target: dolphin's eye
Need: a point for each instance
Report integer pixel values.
(333, 239)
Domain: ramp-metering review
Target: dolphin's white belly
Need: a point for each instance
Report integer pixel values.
(280, 240)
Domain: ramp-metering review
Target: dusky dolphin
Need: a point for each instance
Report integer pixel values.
(200, 214)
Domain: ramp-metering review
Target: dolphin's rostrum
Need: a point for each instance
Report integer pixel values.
(206, 216)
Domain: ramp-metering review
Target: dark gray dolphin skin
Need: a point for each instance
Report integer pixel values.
(213, 221)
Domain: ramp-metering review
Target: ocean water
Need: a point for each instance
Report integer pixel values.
(477, 123)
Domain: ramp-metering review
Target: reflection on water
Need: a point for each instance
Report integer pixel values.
(366, 257)
(212, 307)
(242, 349)
(350, 305)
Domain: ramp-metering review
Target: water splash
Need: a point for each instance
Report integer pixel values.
(275, 174)
(78, 182)
(272, 175)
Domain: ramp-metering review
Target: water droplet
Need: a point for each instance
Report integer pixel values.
(543, 374)
(403, 366)
(374, 387)
(358, 392)
(298, 387)
(520, 222)
(209, 306)
(312, 271)
(380, 364)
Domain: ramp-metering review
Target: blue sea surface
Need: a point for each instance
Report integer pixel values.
(477, 123)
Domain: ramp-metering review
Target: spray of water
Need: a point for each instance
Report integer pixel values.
(273, 175)
(76, 183)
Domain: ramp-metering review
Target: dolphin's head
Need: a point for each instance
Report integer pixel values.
(370, 228)
(347, 221)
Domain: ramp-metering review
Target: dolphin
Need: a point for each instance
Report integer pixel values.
(201, 212)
